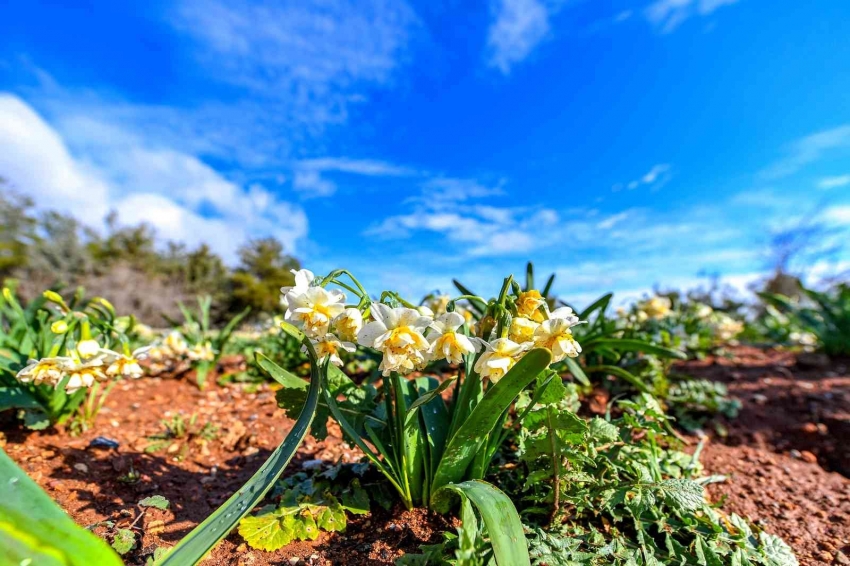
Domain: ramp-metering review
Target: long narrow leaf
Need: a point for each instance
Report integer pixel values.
(576, 371)
(34, 530)
(623, 374)
(192, 548)
(500, 518)
(469, 438)
(628, 345)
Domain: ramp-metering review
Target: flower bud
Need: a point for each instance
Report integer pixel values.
(59, 327)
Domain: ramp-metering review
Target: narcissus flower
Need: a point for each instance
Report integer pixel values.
(46, 371)
(348, 324)
(85, 375)
(303, 279)
(201, 352)
(447, 343)
(522, 330)
(656, 307)
(499, 357)
(176, 343)
(397, 333)
(127, 366)
(330, 346)
(528, 305)
(314, 309)
(88, 348)
(555, 335)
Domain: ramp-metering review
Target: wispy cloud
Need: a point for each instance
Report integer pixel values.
(310, 181)
(300, 49)
(176, 193)
(667, 15)
(834, 182)
(657, 176)
(809, 149)
(518, 27)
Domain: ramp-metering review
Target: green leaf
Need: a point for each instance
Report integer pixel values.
(500, 518)
(36, 419)
(269, 530)
(469, 438)
(17, 398)
(156, 501)
(776, 552)
(628, 345)
(34, 530)
(577, 371)
(623, 374)
(683, 494)
(602, 431)
(355, 499)
(202, 538)
(124, 541)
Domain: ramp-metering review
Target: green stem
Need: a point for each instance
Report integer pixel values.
(400, 412)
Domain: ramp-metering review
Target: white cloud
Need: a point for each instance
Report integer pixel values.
(834, 182)
(369, 167)
(518, 27)
(612, 220)
(839, 214)
(443, 190)
(311, 183)
(34, 158)
(175, 192)
(658, 176)
(809, 149)
(297, 49)
(667, 15)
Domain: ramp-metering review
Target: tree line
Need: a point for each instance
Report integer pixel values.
(132, 267)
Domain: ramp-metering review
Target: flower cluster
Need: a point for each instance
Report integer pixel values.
(83, 366)
(169, 351)
(410, 338)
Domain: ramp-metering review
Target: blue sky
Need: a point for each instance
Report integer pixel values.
(620, 144)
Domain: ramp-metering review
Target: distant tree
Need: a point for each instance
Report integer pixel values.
(17, 229)
(263, 269)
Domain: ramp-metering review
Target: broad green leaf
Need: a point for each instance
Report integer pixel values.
(683, 494)
(17, 398)
(197, 543)
(469, 438)
(602, 431)
(499, 516)
(124, 541)
(776, 552)
(156, 501)
(34, 530)
(269, 530)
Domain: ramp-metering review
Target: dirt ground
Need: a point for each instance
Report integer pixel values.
(784, 457)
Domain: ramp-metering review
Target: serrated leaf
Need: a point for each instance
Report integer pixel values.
(602, 431)
(776, 552)
(36, 419)
(355, 499)
(331, 519)
(683, 494)
(156, 501)
(269, 530)
(124, 541)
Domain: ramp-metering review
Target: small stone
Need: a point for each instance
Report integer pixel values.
(82, 468)
(810, 428)
(104, 442)
(827, 557)
(808, 457)
(294, 560)
(759, 399)
(242, 548)
(796, 454)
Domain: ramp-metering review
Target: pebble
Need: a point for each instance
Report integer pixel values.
(807, 456)
(759, 399)
(294, 560)
(80, 467)
(827, 557)
(104, 442)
